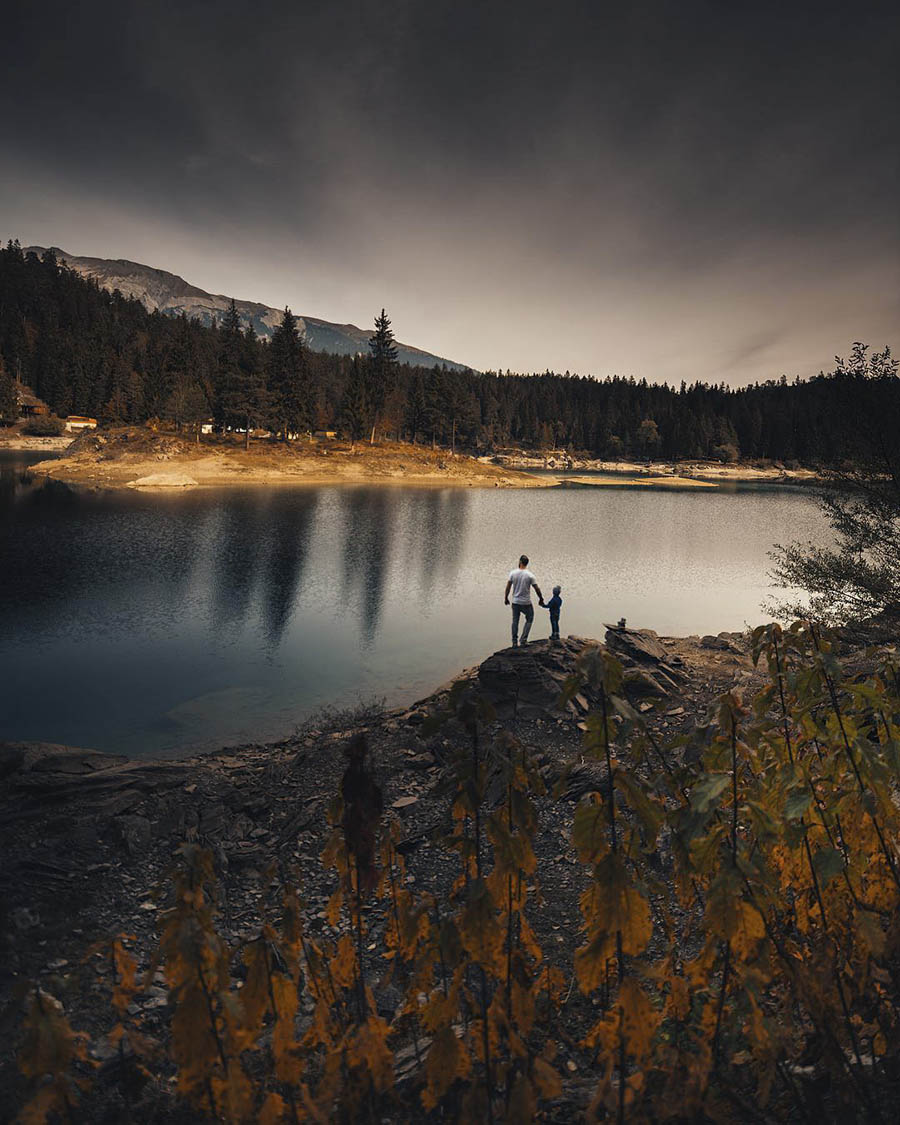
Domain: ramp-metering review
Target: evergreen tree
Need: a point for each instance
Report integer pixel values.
(382, 368)
(355, 412)
(241, 397)
(415, 406)
(435, 391)
(289, 378)
(9, 402)
(86, 351)
(459, 407)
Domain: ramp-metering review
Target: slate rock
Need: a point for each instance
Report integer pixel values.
(642, 645)
(526, 680)
(135, 832)
(639, 684)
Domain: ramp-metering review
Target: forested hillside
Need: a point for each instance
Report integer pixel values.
(86, 351)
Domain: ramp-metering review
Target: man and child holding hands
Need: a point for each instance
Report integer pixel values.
(519, 584)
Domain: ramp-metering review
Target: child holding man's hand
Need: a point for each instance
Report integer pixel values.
(554, 605)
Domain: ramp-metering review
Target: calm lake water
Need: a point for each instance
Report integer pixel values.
(148, 624)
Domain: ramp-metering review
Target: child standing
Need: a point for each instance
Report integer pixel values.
(554, 605)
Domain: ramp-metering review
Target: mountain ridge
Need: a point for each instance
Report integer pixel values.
(163, 291)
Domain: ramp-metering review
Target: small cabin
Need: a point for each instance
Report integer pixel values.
(29, 403)
(325, 435)
(76, 422)
(207, 426)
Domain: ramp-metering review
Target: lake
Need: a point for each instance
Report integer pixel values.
(156, 623)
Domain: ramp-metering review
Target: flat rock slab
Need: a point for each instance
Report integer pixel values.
(640, 644)
(164, 480)
(50, 757)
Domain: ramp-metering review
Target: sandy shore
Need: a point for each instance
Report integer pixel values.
(140, 460)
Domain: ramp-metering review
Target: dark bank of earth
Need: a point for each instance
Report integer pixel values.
(87, 837)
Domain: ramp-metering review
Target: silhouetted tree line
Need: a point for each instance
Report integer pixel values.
(86, 351)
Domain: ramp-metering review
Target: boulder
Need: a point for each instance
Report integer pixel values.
(642, 645)
(527, 680)
(722, 643)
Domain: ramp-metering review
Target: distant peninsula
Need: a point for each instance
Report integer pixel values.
(143, 458)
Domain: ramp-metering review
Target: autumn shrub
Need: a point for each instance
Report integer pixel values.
(44, 425)
(739, 930)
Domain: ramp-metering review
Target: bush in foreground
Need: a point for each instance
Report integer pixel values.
(739, 958)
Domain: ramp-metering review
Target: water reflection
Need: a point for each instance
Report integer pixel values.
(289, 540)
(369, 527)
(240, 537)
(436, 535)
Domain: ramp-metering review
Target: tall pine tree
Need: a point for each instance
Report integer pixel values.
(355, 411)
(289, 378)
(229, 374)
(382, 368)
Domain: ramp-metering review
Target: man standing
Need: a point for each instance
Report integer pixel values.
(520, 582)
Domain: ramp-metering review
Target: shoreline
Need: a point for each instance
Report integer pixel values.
(661, 474)
(24, 443)
(703, 650)
(142, 460)
(202, 477)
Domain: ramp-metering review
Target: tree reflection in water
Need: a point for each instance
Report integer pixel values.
(288, 547)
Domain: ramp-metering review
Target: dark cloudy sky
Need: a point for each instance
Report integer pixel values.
(665, 188)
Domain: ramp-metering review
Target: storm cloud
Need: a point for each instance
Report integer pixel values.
(671, 191)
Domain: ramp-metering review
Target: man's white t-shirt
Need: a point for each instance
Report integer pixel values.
(522, 581)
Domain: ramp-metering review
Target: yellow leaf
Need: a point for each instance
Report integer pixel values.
(522, 1102)
(254, 996)
(285, 1050)
(679, 997)
(333, 909)
(589, 830)
(369, 1047)
(439, 1010)
(480, 931)
(639, 1018)
(272, 1111)
(731, 918)
(610, 906)
(343, 964)
(447, 1060)
(546, 1078)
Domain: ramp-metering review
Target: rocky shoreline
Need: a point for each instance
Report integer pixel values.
(88, 838)
(22, 443)
(653, 473)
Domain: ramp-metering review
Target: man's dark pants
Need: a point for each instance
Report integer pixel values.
(526, 611)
